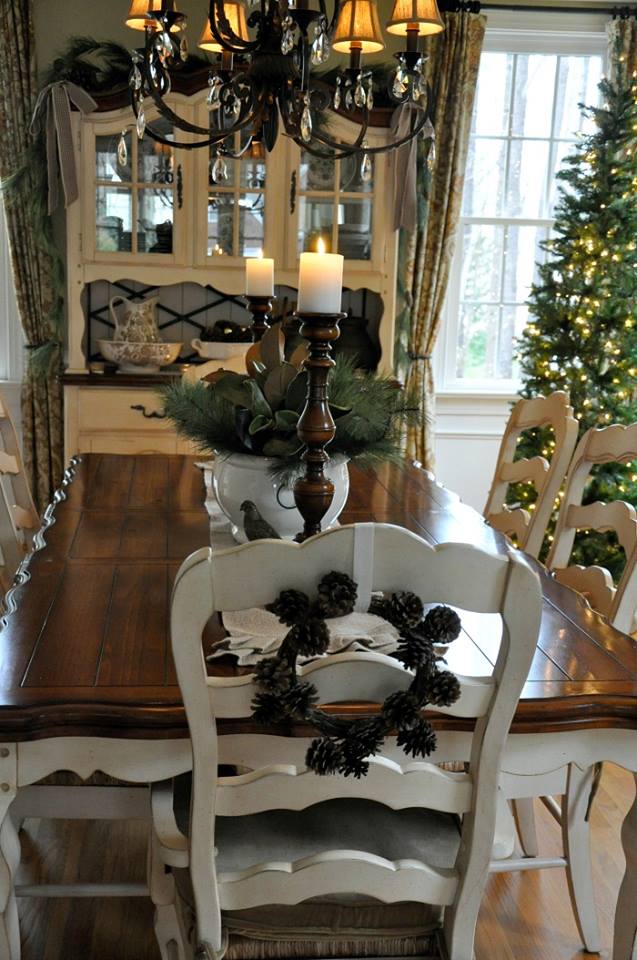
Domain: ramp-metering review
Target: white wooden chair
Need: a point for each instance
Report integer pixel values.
(283, 835)
(618, 603)
(18, 516)
(529, 527)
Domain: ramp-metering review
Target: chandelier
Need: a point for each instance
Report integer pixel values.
(266, 79)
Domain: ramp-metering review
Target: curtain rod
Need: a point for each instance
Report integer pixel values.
(474, 6)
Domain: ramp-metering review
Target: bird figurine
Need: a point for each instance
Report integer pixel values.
(256, 528)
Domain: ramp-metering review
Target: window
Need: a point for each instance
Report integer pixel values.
(11, 339)
(526, 120)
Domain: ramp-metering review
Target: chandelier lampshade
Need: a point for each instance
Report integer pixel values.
(236, 14)
(358, 28)
(138, 16)
(422, 16)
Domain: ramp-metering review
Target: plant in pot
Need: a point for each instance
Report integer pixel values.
(249, 421)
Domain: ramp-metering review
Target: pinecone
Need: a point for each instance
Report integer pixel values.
(416, 649)
(299, 698)
(404, 610)
(291, 606)
(336, 594)
(310, 638)
(365, 737)
(324, 756)
(400, 709)
(443, 688)
(268, 708)
(273, 675)
(419, 740)
(442, 624)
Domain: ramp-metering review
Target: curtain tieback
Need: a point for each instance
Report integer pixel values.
(55, 100)
(420, 356)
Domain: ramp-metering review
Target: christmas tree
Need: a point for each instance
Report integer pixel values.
(582, 334)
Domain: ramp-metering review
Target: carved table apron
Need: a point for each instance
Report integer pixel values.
(87, 681)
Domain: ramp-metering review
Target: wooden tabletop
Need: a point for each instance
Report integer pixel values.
(87, 651)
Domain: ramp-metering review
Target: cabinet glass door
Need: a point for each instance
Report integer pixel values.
(335, 203)
(236, 205)
(134, 193)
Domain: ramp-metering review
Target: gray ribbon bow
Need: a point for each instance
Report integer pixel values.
(403, 165)
(60, 156)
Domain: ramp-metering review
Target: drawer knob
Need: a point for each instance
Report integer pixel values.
(153, 415)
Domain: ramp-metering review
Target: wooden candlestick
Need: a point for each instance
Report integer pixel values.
(261, 310)
(314, 491)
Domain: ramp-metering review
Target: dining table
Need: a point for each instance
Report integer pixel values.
(87, 680)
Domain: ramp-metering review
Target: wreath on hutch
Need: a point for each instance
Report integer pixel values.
(344, 746)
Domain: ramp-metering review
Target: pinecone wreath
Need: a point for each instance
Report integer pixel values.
(345, 745)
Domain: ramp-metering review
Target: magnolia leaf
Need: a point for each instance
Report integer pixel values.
(338, 411)
(297, 392)
(286, 419)
(277, 383)
(299, 355)
(242, 421)
(278, 447)
(256, 401)
(260, 423)
(232, 387)
(272, 347)
(253, 356)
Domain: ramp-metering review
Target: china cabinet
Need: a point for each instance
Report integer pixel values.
(153, 221)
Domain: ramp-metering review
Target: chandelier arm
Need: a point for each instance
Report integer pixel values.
(229, 40)
(337, 9)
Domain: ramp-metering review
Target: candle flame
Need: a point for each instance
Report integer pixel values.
(320, 246)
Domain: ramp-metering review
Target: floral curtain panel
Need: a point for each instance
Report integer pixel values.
(622, 40)
(36, 264)
(426, 252)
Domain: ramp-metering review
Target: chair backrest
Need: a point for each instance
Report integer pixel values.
(529, 527)
(377, 557)
(18, 516)
(614, 444)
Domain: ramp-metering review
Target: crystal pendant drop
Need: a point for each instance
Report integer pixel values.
(360, 97)
(306, 123)
(219, 171)
(140, 126)
(431, 156)
(135, 79)
(422, 85)
(215, 84)
(183, 47)
(370, 96)
(349, 102)
(399, 85)
(287, 37)
(337, 94)
(165, 46)
(236, 108)
(122, 150)
(366, 167)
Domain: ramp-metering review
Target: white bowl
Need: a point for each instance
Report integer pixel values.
(215, 350)
(139, 357)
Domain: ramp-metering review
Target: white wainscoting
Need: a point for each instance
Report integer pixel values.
(468, 434)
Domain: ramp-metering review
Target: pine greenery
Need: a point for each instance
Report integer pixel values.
(582, 337)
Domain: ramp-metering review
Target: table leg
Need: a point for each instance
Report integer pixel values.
(625, 936)
(9, 856)
(577, 850)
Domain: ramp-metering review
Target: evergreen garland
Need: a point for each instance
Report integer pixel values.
(345, 745)
(582, 336)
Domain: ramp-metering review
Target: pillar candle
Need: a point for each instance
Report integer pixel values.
(259, 277)
(320, 283)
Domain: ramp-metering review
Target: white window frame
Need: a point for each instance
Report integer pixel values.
(512, 33)
(11, 335)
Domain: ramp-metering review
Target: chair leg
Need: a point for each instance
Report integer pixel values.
(625, 936)
(171, 938)
(524, 814)
(577, 850)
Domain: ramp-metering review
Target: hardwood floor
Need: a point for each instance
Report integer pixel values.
(526, 916)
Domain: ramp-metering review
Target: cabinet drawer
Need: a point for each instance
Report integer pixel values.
(111, 409)
(128, 442)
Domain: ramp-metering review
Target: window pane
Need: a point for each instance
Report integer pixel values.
(477, 341)
(577, 83)
(355, 229)
(493, 95)
(220, 224)
(514, 319)
(316, 174)
(251, 211)
(351, 180)
(316, 218)
(252, 173)
(155, 221)
(107, 166)
(155, 161)
(527, 181)
(113, 218)
(533, 95)
(560, 152)
(482, 262)
(485, 178)
(522, 252)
